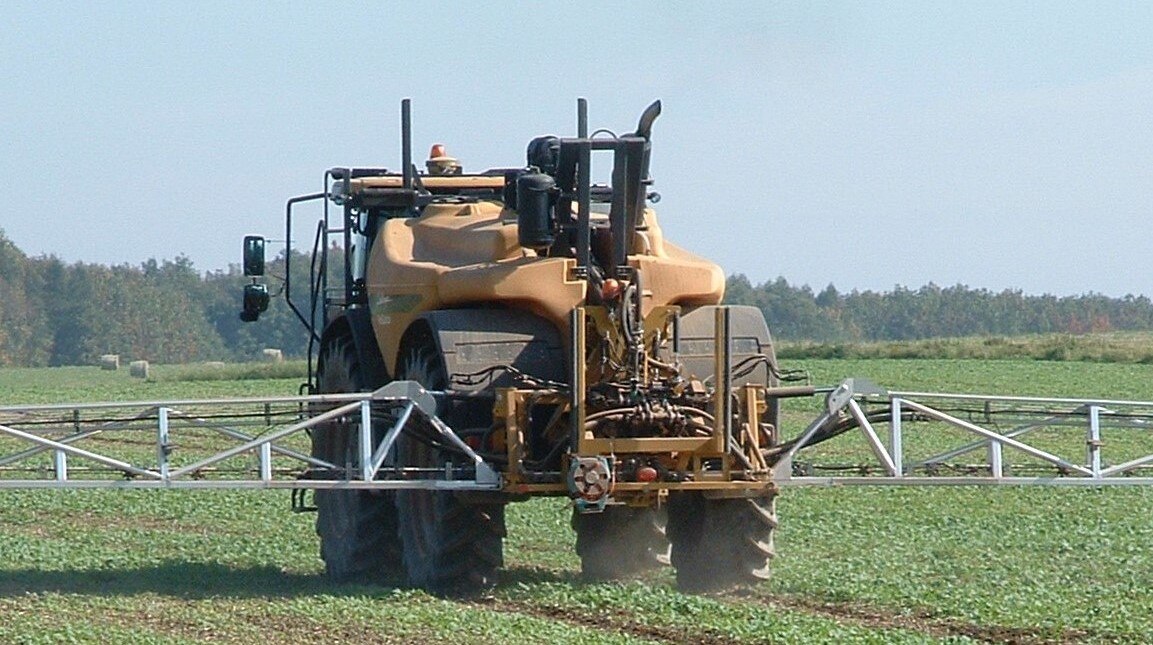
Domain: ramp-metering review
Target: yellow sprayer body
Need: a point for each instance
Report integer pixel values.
(466, 255)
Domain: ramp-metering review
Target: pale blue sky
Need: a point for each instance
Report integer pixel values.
(998, 145)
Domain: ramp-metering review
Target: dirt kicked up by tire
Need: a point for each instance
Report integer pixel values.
(620, 542)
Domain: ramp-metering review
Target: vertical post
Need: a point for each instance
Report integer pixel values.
(618, 212)
(1093, 444)
(895, 448)
(727, 335)
(996, 461)
(584, 213)
(60, 461)
(634, 176)
(577, 391)
(722, 377)
(162, 442)
(406, 142)
(366, 440)
(582, 118)
(266, 462)
(754, 399)
(266, 448)
(513, 440)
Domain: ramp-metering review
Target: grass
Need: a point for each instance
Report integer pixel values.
(292, 369)
(136, 566)
(857, 565)
(1059, 561)
(1111, 347)
(90, 384)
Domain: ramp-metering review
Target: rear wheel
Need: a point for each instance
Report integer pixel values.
(620, 542)
(450, 546)
(357, 528)
(719, 544)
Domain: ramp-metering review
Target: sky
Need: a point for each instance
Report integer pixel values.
(861, 144)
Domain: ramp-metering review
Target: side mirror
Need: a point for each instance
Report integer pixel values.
(253, 256)
(255, 302)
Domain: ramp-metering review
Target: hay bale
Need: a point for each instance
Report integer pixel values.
(270, 355)
(214, 365)
(110, 362)
(138, 369)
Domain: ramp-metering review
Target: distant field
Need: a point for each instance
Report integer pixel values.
(874, 565)
(1108, 347)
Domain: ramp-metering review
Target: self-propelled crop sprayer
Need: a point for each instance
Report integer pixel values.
(570, 349)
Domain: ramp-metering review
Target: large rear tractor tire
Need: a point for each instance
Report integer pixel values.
(720, 544)
(451, 546)
(620, 542)
(357, 528)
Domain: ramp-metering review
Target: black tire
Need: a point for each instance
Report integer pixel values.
(450, 545)
(720, 544)
(620, 542)
(357, 528)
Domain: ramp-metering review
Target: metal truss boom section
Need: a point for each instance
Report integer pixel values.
(972, 439)
(862, 435)
(226, 443)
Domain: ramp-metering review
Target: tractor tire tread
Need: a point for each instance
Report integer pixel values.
(357, 528)
(720, 544)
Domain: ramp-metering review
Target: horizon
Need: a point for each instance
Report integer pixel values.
(236, 268)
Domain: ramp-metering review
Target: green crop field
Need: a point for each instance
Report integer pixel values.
(855, 565)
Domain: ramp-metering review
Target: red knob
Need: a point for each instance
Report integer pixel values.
(611, 289)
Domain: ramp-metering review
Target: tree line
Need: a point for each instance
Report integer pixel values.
(798, 313)
(53, 313)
